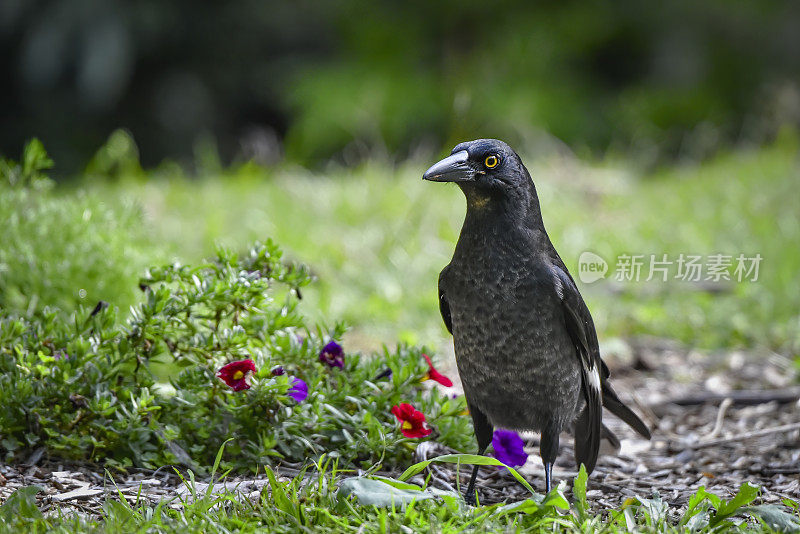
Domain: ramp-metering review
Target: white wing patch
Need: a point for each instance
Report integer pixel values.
(594, 378)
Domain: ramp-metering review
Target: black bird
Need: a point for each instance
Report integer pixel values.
(525, 342)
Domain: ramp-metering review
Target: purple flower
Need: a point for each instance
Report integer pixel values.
(508, 448)
(332, 355)
(277, 370)
(386, 373)
(299, 390)
(60, 355)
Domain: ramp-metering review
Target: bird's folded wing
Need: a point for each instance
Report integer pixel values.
(444, 306)
(581, 330)
(594, 370)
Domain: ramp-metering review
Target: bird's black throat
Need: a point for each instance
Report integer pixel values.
(499, 210)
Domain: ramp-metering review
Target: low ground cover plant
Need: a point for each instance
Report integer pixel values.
(212, 351)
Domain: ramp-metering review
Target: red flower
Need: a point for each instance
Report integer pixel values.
(412, 421)
(433, 374)
(235, 374)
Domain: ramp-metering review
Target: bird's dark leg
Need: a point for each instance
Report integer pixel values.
(548, 449)
(548, 475)
(483, 433)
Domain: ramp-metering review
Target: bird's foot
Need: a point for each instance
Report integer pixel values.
(469, 495)
(469, 498)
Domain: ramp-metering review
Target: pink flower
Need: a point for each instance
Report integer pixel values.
(235, 374)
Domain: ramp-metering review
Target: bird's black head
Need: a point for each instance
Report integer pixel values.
(488, 171)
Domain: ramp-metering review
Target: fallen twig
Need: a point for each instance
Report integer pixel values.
(720, 418)
(744, 397)
(746, 435)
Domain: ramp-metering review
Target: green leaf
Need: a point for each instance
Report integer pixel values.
(697, 522)
(528, 507)
(279, 496)
(371, 492)
(538, 505)
(470, 459)
(34, 157)
(655, 508)
(21, 504)
(693, 507)
(556, 498)
(219, 456)
(774, 517)
(715, 500)
(747, 494)
(396, 483)
(217, 460)
(579, 491)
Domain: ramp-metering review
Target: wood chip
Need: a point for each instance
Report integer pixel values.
(80, 493)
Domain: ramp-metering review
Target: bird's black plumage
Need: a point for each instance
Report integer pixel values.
(525, 342)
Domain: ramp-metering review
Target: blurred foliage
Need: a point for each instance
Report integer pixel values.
(377, 236)
(356, 78)
(737, 203)
(64, 252)
(140, 390)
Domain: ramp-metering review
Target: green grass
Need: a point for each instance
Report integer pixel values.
(377, 236)
(64, 250)
(316, 501)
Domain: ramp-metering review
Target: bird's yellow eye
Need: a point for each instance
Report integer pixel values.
(491, 162)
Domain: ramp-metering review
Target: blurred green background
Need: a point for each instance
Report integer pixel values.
(315, 80)
(661, 128)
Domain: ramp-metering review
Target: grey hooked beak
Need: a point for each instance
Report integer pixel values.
(453, 168)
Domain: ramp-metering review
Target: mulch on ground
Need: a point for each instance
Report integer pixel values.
(718, 420)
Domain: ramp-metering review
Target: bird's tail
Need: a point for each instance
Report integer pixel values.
(587, 431)
(612, 403)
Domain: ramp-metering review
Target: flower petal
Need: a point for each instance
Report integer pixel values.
(433, 374)
(299, 390)
(332, 354)
(235, 374)
(412, 421)
(509, 448)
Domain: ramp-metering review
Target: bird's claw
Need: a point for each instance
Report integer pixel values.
(469, 498)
